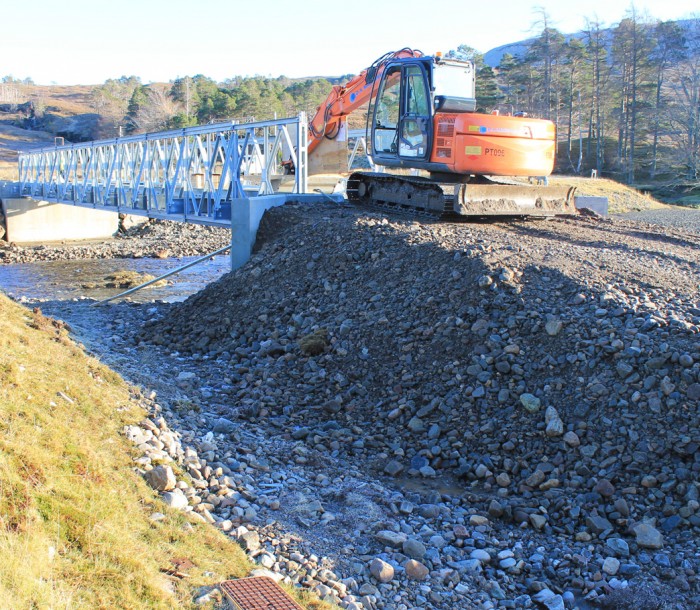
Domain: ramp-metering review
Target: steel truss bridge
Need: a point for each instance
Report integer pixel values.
(194, 174)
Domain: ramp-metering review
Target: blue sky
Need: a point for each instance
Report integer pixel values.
(89, 41)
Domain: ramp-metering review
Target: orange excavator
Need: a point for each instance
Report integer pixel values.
(422, 118)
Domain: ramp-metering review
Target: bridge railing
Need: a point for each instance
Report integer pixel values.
(192, 174)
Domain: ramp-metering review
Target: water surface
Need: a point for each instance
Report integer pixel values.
(64, 280)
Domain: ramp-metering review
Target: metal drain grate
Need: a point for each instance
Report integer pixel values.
(257, 593)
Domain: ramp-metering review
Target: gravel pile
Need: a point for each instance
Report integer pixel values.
(410, 415)
(154, 239)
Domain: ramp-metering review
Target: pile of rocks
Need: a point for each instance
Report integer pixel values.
(443, 416)
(553, 367)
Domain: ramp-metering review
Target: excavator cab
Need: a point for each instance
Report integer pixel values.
(408, 95)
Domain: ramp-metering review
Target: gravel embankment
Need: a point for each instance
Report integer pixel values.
(439, 416)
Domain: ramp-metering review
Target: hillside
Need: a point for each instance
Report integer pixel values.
(518, 49)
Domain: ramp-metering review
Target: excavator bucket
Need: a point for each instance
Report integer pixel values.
(513, 200)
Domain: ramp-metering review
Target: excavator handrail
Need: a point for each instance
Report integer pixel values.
(344, 99)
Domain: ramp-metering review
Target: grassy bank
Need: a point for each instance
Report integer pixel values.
(74, 517)
(621, 198)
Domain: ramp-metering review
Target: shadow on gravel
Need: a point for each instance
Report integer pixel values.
(653, 235)
(647, 248)
(418, 356)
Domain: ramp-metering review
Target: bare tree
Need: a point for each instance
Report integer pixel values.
(669, 50)
(156, 111)
(632, 48)
(684, 103)
(597, 51)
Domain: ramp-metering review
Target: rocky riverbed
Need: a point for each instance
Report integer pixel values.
(404, 414)
(152, 239)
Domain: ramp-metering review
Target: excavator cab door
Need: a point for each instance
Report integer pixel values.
(402, 125)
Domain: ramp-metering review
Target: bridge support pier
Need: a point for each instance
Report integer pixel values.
(246, 214)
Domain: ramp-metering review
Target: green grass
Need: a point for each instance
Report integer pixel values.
(74, 517)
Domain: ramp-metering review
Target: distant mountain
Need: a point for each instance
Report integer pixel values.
(493, 57)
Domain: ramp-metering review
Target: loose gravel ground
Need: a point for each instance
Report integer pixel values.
(681, 218)
(401, 414)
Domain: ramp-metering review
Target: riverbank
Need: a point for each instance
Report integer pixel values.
(442, 416)
(78, 527)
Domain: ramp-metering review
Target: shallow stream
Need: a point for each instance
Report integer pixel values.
(64, 280)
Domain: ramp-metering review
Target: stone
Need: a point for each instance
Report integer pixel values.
(175, 499)
(249, 540)
(477, 520)
(611, 566)
(381, 570)
(538, 521)
(389, 538)
(618, 546)
(598, 525)
(605, 488)
(648, 536)
(223, 426)
(414, 548)
(530, 402)
(686, 361)
(554, 424)
(393, 468)
(415, 570)
(503, 480)
(550, 600)
(553, 327)
(622, 507)
(481, 555)
(693, 391)
(161, 478)
(535, 479)
(495, 509)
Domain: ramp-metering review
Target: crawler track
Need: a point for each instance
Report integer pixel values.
(456, 202)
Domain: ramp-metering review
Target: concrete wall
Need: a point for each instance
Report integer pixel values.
(246, 215)
(28, 221)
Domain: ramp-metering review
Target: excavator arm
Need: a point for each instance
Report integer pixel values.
(344, 99)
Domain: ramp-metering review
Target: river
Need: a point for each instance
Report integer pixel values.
(64, 280)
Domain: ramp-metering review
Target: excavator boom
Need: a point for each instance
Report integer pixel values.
(345, 99)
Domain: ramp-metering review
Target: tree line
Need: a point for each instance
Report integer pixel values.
(625, 99)
(128, 106)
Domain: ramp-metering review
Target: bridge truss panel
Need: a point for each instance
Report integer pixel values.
(191, 174)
